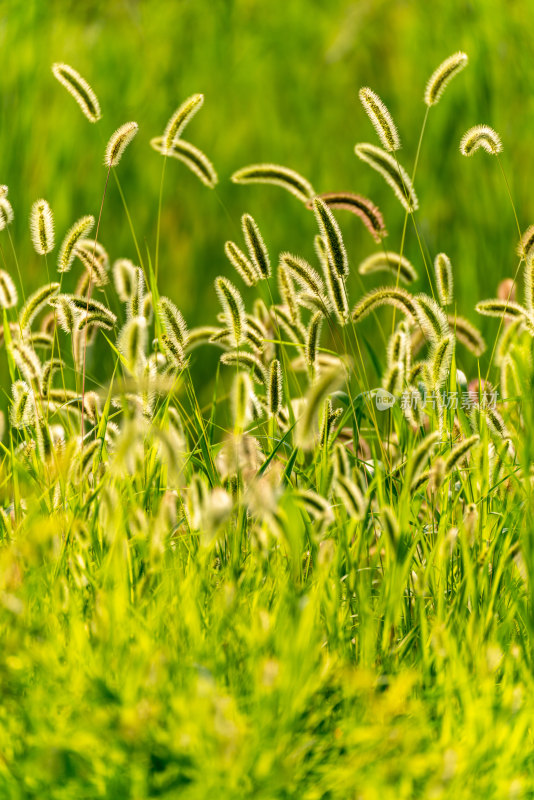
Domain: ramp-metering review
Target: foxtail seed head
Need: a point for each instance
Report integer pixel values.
(234, 309)
(8, 291)
(67, 253)
(369, 214)
(381, 119)
(242, 393)
(392, 172)
(331, 235)
(79, 89)
(444, 279)
(241, 263)
(396, 264)
(257, 250)
(181, 117)
(42, 227)
(6, 213)
(274, 388)
(279, 176)
(525, 248)
(118, 143)
(481, 136)
(191, 156)
(442, 75)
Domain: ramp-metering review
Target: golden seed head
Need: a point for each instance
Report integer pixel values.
(118, 143)
(79, 89)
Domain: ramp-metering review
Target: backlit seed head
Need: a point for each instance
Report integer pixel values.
(132, 344)
(392, 172)
(331, 236)
(242, 393)
(481, 136)
(6, 213)
(173, 322)
(35, 302)
(362, 207)
(442, 75)
(81, 228)
(245, 268)
(279, 176)
(234, 309)
(118, 143)
(274, 388)
(42, 227)
(8, 291)
(381, 119)
(191, 156)
(79, 89)
(257, 249)
(394, 263)
(444, 278)
(181, 117)
(525, 248)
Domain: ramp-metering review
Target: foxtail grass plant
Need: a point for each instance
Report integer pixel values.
(312, 578)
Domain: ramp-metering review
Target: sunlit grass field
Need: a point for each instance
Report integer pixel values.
(230, 566)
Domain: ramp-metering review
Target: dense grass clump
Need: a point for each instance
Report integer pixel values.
(319, 583)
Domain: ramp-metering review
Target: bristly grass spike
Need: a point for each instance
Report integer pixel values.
(79, 89)
(381, 119)
(440, 78)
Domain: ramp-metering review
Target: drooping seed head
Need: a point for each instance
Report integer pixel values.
(305, 275)
(507, 309)
(34, 303)
(81, 228)
(381, 119)
(67, 314)
(394, 296)
(181, 117)
(370, 215)
(42, 227)
(279, 176)
(392, 172)
(467, 334)
(118, 143)
(481, 136)
(79, 89)
(398, 265)
(443, 75)
(244, 360)
(191, 156)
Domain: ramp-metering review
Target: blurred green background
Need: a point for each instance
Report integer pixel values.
(280, 81)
